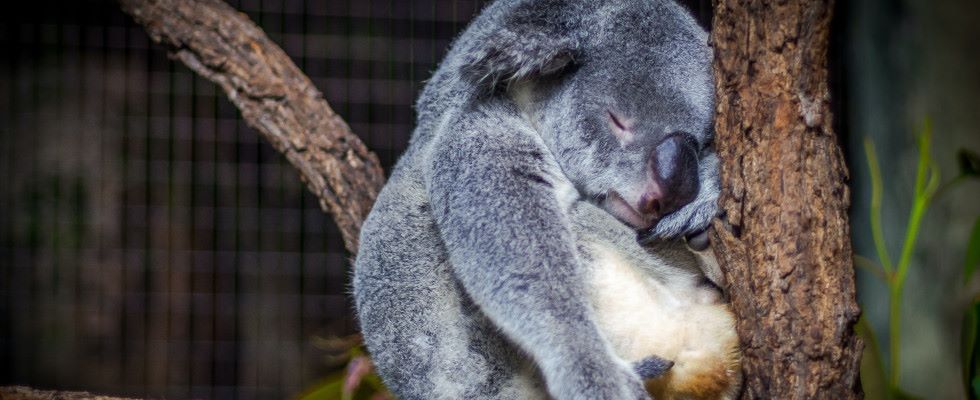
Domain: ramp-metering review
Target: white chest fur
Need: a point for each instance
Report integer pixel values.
(675, 319)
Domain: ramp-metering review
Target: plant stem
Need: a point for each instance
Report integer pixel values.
(926, 183)
(876, 193)
(894, 331)
(897, 283)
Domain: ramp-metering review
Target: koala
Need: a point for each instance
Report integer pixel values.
(470, 282)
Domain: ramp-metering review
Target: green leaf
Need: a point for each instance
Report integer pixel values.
(970, 356)
(969, 162)
(972, 252)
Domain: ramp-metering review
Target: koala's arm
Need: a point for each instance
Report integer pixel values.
(500, 205)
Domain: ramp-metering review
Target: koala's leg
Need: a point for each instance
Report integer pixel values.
(426, 338)
(500, 205)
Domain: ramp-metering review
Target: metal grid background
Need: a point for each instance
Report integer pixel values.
(150, 244)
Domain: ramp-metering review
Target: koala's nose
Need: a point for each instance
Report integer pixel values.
(674, 170)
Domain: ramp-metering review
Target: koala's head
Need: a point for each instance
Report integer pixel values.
(621, 91)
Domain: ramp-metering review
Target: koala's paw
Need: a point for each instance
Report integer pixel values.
(690, 219)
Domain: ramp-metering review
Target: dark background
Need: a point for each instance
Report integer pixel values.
(152, 245)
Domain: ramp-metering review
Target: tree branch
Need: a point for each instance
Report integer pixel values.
(26, 393)
(274, 96)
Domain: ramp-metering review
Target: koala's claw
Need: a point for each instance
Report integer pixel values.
(698, 241)
(652, 367)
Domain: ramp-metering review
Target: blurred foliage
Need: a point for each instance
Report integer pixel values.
(355, 377)
(971, 352)
(928, 188)
(972, 253)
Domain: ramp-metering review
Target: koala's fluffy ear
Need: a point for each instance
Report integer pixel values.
(532, 41)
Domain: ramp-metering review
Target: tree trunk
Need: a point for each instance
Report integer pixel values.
(784, 242)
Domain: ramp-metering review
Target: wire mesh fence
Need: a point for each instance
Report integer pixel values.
(151, 244)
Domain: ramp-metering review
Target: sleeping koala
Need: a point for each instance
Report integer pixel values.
(469, 282)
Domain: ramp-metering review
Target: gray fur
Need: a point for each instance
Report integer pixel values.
(469, 283)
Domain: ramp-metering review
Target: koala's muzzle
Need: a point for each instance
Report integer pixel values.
(674, 170)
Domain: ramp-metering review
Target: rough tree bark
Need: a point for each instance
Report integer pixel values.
(784, 242)
(274, 96)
